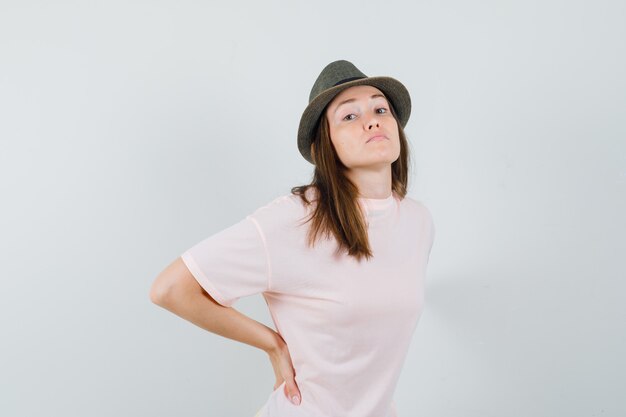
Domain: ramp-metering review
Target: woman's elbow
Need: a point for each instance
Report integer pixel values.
(172, 282)
(158, 292)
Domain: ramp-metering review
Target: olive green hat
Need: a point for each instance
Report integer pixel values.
(336, 77)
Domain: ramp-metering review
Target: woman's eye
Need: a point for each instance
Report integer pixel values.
(349, 116)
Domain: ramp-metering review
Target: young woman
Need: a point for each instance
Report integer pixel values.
(341, 261)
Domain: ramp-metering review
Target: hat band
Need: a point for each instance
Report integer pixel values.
(345, 80)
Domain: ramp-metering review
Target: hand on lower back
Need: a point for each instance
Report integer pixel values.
(284, 371)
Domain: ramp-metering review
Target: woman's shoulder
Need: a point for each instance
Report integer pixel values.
(418, 206)
(283, 208)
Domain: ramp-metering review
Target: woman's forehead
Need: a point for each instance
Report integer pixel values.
(356, 91)
(352, 94)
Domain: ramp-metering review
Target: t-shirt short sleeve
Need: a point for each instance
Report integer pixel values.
(432, 232)
(430, 226)
(231, 263)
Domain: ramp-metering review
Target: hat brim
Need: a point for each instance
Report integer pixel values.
(394, 90)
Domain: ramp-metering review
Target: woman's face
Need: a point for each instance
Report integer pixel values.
(362, 128)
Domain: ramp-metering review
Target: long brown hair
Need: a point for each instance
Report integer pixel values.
(337, 211)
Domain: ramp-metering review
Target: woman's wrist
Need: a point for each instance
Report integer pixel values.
(275, 344)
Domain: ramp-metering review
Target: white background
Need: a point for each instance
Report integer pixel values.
(130, 131)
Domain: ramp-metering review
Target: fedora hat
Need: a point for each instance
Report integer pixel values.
(336, 77)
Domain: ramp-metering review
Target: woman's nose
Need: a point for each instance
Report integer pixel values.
(373, 121)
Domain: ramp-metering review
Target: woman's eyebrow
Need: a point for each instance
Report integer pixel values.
(352, 99)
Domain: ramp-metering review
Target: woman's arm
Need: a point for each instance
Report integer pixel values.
(176, 290)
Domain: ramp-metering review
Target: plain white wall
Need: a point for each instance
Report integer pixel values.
(129, 131)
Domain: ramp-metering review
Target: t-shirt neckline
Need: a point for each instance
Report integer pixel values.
(378, 206)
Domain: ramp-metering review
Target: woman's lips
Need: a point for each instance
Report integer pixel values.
(376, 138)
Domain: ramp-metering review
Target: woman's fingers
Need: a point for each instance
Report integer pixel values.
(283, 368)
(291, 388)
(292, 391)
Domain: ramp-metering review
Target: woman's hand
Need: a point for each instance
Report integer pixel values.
(284, 371)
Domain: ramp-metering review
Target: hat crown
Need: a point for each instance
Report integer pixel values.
(335, 73)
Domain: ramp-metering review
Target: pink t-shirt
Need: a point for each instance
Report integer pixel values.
(347, 325)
